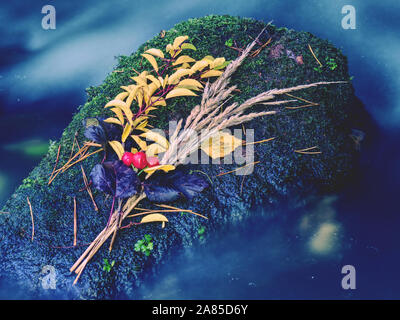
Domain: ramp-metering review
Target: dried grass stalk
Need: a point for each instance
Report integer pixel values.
(210, 117)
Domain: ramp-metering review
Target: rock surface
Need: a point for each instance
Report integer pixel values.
(281, 176)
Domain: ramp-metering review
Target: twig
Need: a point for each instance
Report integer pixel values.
(171, 207)
(119, 221)
(67, 166)
(261, 141)
(303, 106)
(241, 185)
(135, 70)
(314, 55)
(58, 156)
(80, 264)
(257, 52)
(301, 99)
(224, 173)
(164, 211)
(92, 144)
(33, 222)
(4, 212)
(87, 187)
(316, 152)
(306, 150)
(75, 223)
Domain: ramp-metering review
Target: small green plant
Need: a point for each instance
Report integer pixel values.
(229, 42)
(201, 231)
(107, 266)
(318, 69)
(183, 213)
(144, 245)
(331, 63)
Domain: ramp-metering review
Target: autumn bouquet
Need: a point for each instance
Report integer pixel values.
(144, 163)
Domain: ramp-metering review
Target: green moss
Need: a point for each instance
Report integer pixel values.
(280, 171)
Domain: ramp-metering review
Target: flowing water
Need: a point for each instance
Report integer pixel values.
(291, 254)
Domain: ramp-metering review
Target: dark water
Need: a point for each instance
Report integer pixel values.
(293, 254)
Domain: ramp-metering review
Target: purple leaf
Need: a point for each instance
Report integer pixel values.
(115, 178)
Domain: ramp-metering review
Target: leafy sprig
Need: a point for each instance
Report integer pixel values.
(145, 245)
(180, 75)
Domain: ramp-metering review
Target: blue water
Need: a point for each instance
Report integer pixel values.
(293, 254)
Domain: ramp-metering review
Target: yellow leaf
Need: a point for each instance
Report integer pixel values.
(139, 97)
(183, 59)
(121, 96)
(176, 53)
(154, 149)
(134, 150)
(142, 144)
(143, 129)
(208, 58)
(119, 114)
(138, 120)
(199, 65)
(115, 103)
(188, 46)
(169, 48)
(142, 125)
(174, 78)
(217, 62)
(189, 84)
(178, 41)
(131, 96)
(143, 74)
(156, 137)
(152, 88)
(154, 217)
(165, 81)
(179, 93)
(183, 66)
(163, 167)
(155, 52)
(128, 113)
(152, 60)
(126, 133)
(113, 120)
(128, 88)
(154, 80)
(222, 66)
(118, 148)
(140, 81)
(161, 80)
(157, 101)
(123, 106)
(220, 145)
(160, 102)
(211, 73)
(150, 109)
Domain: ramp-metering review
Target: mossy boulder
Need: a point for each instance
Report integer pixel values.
(281, 176)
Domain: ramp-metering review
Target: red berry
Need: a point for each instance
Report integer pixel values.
(127, 158)
(152, 161)
(139, 160)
